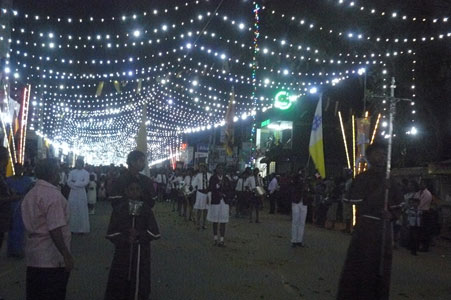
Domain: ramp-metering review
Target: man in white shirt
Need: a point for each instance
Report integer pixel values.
(427, 219)
(161, 183)
(200, 183)
(272, 188)
(189, 194)
(177, 184)
(240, 195)
(250, 185)
(45, 214)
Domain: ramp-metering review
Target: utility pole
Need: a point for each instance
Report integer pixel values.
(392, 101)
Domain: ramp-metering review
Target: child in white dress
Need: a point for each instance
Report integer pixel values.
(92, 194)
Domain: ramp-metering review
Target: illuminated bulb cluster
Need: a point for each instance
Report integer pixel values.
(394, 15)
(179, 80)
(353, 35)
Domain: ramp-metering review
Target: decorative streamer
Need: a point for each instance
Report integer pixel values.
(375, 128)
(353, 146)
(344, 140)
(254, 79)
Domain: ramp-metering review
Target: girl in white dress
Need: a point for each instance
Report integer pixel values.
(92, 194)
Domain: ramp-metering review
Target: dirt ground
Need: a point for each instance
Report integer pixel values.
(257, 263)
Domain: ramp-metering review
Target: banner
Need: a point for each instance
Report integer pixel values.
(229, 129)
(362, 140)
(316, 147)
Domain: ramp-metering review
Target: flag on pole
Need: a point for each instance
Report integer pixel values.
(316, 147)
(229, 136)
(141, 139)
(10, 166)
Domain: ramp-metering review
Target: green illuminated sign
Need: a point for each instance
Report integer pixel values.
(283, 100)
(265, 123)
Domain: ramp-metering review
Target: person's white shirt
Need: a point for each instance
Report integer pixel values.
(272, 187)
(249, 183)
(240, 185)
(188, 182)
(63, 178)
(199, 182)
(161, 178)
(178, 182)
(425, 197)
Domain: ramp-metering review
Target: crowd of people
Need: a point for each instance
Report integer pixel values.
(34, 209)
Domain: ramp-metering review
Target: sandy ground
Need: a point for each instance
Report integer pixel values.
(257, 263)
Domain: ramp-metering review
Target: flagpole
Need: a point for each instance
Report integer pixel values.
(388, 170)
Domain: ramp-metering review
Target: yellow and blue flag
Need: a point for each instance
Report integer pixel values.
(316, 147)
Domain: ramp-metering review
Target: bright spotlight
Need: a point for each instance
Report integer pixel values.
(313, 90)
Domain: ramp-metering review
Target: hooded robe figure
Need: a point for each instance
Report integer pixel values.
(361, 278)
(119, 286)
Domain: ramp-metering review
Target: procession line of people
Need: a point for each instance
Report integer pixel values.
(49, 219)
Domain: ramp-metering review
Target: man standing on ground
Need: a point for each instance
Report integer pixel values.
(132, 185)
(78, 200)
(240, 195)
(45, 215)
(255, 199)
(361, 278)
(272, 189)
(427, 221)
(299, 207)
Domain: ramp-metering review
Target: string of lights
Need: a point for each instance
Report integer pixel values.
(395, 15)
(256, 10)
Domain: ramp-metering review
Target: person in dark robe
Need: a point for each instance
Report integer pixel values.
(367, 268)
(127, 235)
(120, 234)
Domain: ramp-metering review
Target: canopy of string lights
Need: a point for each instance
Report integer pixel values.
(93, 75)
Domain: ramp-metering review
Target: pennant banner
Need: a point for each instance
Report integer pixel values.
(316, 147)
(99, 89)
(117, 86)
